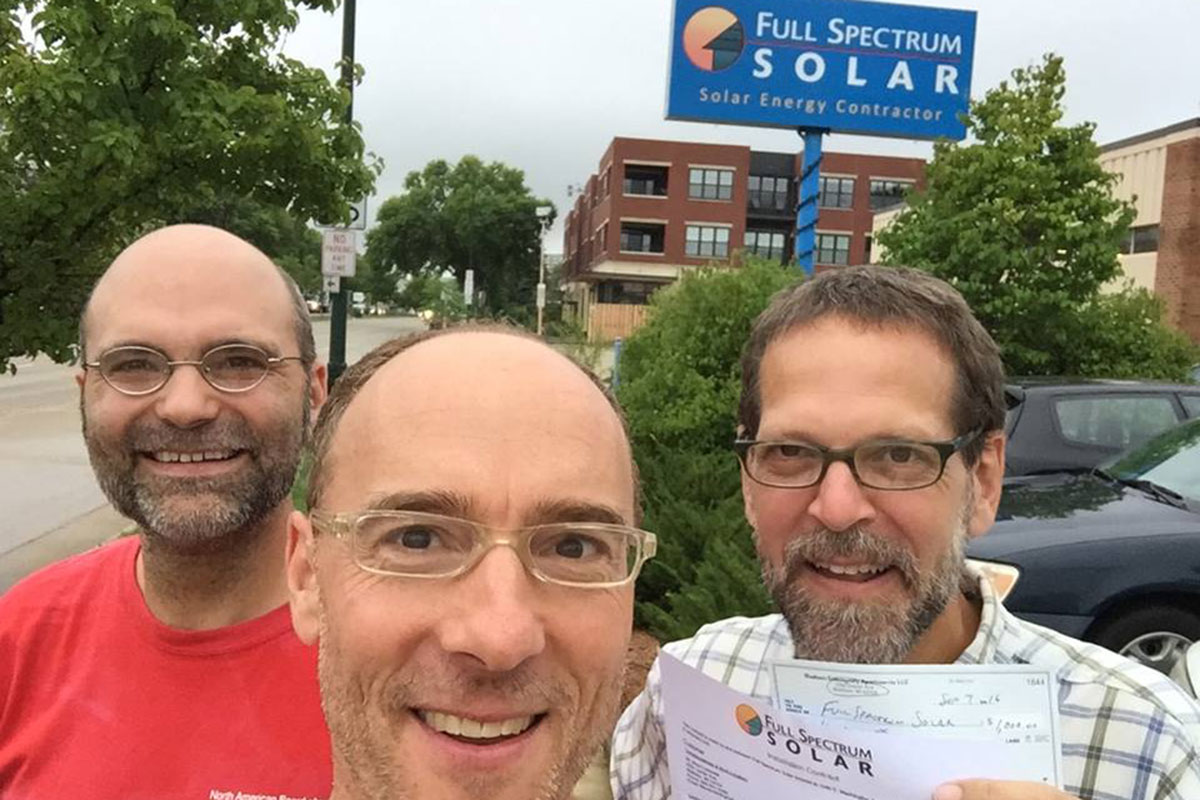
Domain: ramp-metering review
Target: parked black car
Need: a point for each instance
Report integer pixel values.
(1054, 424)
(1110, 555)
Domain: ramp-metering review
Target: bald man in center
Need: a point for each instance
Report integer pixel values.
(467, 568)
(164, 665)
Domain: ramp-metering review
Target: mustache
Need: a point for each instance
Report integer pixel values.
(524, 686)
(824, 545)
(148, 435)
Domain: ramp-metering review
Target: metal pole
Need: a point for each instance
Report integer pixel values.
(541, 287)
(337, 319)
(615, 381)
(806, 209)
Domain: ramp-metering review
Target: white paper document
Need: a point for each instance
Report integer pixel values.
(1013, 705)
(727, 745)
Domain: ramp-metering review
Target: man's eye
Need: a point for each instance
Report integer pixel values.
(132, 365)
(575, 546)
(412, 537)
(899, 454)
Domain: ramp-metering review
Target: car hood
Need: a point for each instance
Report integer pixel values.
(1065, 508)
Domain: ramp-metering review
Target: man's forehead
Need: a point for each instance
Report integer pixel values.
(184, 277)
(480, 399)
(476, 376)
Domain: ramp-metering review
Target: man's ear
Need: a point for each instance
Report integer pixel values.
(988, 477)
(304, 595)
(318, 388)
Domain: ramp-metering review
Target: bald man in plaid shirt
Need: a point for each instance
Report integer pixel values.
(871, 437)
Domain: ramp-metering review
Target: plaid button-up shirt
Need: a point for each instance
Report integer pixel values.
(1128, 732)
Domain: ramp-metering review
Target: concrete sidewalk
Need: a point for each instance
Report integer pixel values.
(82, 533)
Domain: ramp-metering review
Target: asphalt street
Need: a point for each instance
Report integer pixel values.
(53, 506)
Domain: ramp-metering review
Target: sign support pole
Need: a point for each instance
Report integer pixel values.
(810, 191)
(337, 319)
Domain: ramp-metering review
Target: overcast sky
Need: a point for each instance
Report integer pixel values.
(544, 85)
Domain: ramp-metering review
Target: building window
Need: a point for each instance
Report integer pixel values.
(630, 293)
(706, 241)
(833, 248)
(645, 180)
(642, 237)
(768, 193)
(888, 193)
(767, 244)
(1142, 239)
(604, 182)
(836, 193)
(602, 238)
(710, 184)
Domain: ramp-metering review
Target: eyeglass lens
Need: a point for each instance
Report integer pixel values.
(890, 465)
(140, 369)
(571, 553)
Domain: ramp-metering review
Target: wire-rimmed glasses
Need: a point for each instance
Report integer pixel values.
(136, 370)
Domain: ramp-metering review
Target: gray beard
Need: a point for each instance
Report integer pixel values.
(199, 515)
(863, 633)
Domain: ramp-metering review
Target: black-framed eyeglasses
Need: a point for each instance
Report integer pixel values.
(136, 370)
(414, 544)
(890, 464)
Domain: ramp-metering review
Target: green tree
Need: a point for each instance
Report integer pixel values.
(1024, 223)
(679, 386)
(117, 114)
(470, 215)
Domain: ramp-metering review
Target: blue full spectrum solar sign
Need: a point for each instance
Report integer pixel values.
(849, 66)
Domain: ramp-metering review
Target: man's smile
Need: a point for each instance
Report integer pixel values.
(477, 731)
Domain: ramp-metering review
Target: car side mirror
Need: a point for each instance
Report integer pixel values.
(1187, 670)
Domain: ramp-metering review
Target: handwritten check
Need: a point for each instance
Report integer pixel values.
(722, 744)
(1012, 705)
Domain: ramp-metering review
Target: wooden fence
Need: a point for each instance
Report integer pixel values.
(607, 321)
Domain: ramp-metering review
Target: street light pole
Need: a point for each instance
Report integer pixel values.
(543, 214)
(337, 318)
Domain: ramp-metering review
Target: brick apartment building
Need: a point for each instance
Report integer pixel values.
(1160, 173)
(656, 208)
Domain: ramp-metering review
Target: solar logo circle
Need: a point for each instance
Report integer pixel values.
(748, 720)
(713, 39)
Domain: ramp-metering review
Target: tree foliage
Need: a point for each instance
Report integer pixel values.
(470, 215)
(1024, 223)
(679, 385)
(116, 114)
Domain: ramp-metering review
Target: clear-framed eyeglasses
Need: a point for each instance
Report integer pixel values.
(136, 370)
(889, 464)
(415, 544)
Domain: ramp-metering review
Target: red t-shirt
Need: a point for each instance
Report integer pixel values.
(100, 700)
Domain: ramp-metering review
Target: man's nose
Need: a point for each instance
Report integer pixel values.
(840, 502)
(496, 619)
(186, 400)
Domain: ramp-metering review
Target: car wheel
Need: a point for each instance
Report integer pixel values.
(1156, 636)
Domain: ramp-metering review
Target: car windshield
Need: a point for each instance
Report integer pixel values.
(1171, 460)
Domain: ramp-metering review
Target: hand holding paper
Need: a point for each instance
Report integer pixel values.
(723, 744)
(998, 790)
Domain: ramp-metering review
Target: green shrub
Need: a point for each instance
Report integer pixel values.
(679, 386)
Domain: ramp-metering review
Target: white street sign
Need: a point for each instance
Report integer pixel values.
(338, 252)
(541, 295)
(358, 218)
(469, 287)
(333, 284)
(358, 215)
